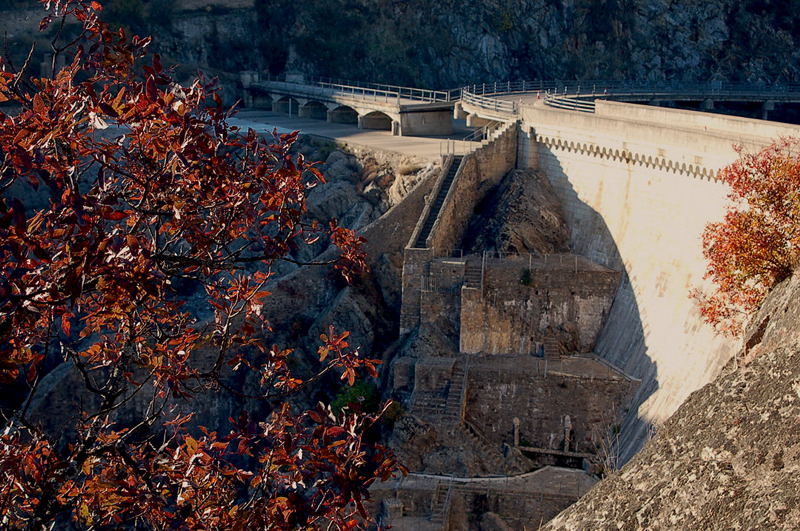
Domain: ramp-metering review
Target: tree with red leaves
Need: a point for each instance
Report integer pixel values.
(757, 243)
(146, 186)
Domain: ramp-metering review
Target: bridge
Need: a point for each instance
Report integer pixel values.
(405, 111)
(409, 111)
(503, 100)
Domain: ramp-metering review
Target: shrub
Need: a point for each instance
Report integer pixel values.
(363, 394)
(756, 244)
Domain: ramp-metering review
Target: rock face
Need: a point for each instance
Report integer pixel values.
(446, 43)
(305, 300)
(523, 215)
(729, 458)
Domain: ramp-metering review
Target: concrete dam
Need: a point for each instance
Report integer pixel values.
(638, 185)
(509, 400)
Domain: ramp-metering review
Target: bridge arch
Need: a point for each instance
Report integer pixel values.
(286, 105)
(314, 109)
(261, 100)
(343, 115)
(375, 120)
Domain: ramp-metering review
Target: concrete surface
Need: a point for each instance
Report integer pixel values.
(427, 148)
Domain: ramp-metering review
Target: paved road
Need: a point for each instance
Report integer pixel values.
(426, 148)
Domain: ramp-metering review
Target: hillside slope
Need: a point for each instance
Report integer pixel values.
(729, 458)
(443, 44)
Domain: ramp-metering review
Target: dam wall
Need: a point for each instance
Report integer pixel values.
(638, 185)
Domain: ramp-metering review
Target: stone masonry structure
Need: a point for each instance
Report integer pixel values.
(502, 382)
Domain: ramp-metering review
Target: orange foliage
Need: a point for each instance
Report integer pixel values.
(756, 245)
(173, 193)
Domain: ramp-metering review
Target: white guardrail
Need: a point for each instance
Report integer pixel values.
(570, 95)
(378, 91)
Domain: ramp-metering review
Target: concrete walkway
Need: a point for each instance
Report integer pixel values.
(425, 148)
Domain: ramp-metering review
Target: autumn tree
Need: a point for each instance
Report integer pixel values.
(145, 185)
(757, 243)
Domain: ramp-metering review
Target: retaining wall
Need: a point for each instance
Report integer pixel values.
(480, 171)
(567, 299)
(523, 501)
(542, 394)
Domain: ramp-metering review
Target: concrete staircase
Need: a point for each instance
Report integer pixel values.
(491, 456)
(429, 404)
(552, 351)
(438, 201)
(440, 504)
(441, 406)
(455, 395)
(472, 275)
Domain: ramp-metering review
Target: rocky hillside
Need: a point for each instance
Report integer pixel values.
(381, 195)
(446, 43)
(509, 221)
(730, 456)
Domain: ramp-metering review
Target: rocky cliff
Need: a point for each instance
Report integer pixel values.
(729, 458)
(380, 194)
(448, 43)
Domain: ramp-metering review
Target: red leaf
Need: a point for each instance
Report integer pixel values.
(150, 89)
(335, 431)
(65, 323)
(38, 105)
(115, 215)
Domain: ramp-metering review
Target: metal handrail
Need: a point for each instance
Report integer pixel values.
(600, 87)
(410, 92)
(349, 93)
(570, 95)
(350, 87)
(489, 104)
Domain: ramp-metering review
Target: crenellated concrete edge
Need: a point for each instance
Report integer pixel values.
(629, 157)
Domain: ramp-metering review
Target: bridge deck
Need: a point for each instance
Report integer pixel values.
(425, 148)
(356, 95)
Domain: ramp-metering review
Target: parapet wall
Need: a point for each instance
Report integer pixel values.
(638, 185)
(704, 122)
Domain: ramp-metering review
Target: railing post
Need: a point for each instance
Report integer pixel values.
(483, 270)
